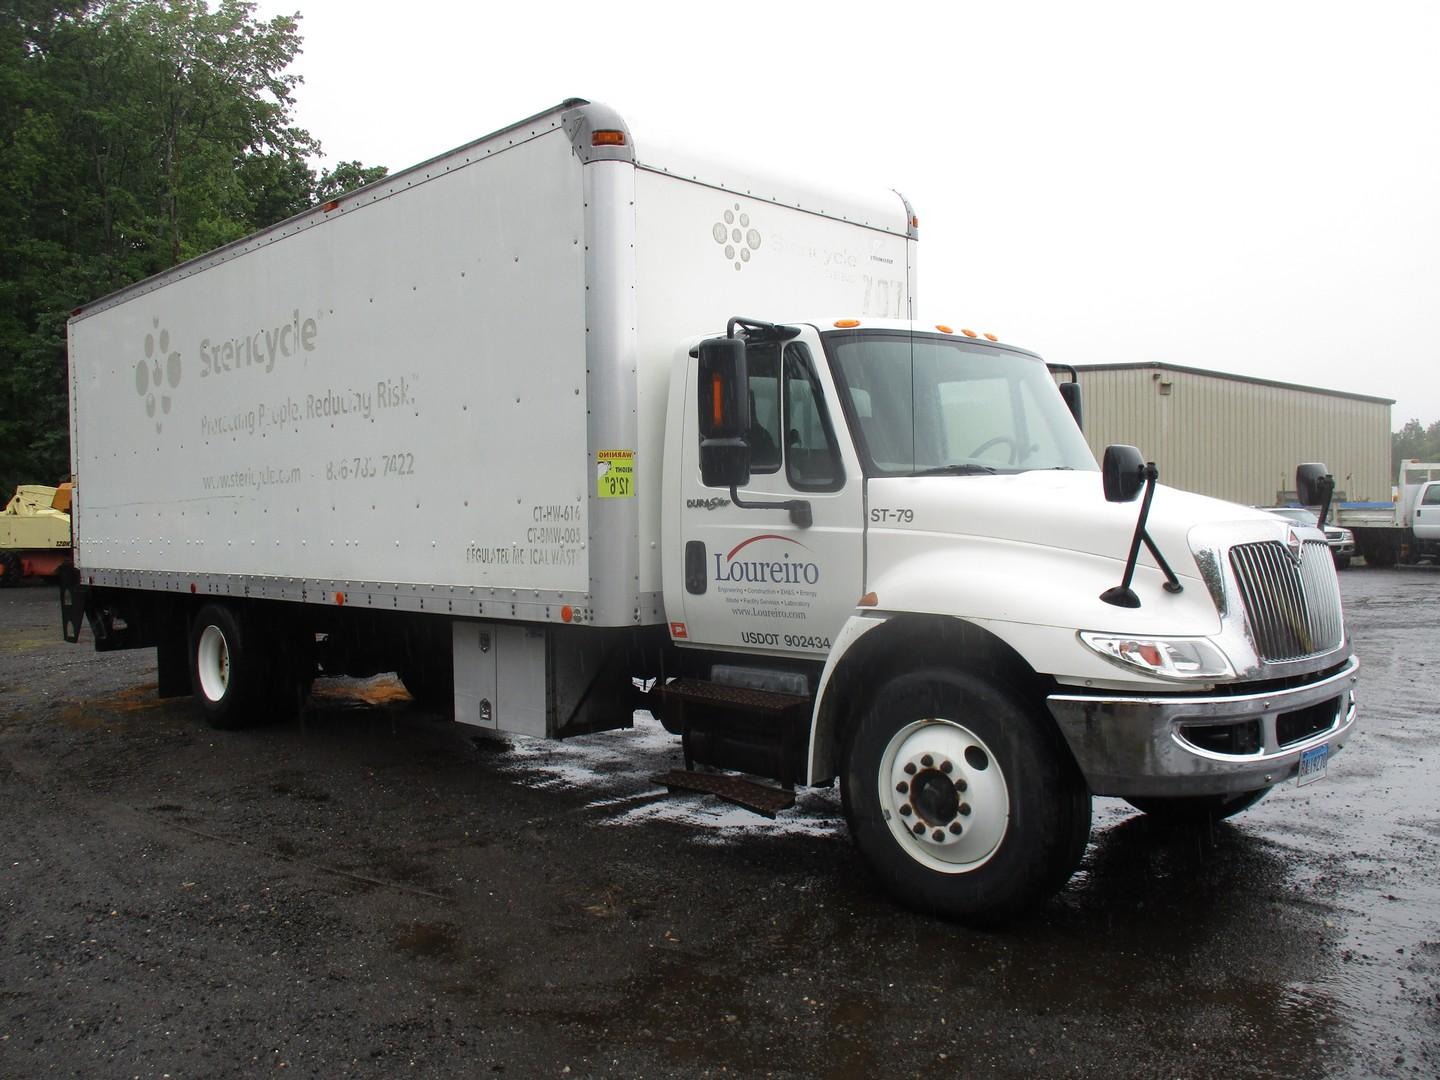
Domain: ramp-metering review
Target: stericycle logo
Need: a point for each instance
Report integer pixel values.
(160, 369)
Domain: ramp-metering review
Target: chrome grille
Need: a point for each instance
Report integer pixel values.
(1294, 607)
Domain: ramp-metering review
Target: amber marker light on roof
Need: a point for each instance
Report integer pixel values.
(607, 138)
(943, 329)
(969, 333)
(991, 337)
(847, 324)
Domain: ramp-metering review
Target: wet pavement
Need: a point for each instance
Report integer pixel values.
(372, 891)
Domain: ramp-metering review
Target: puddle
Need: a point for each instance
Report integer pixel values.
(430, 940)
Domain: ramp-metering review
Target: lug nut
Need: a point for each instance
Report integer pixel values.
(910, 768)
(965, 808)
(902, 787)
(938, 834)
(905, 810)
(960, 784)
(956, 828)
(946, 768)
(927, 761)
(919, 828)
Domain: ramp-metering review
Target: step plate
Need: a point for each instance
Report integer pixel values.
(761, 798)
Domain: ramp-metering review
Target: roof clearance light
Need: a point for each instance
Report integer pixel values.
(607, 138)
(331, 205)
(991, 337)
(847, 324)
(943, 329)
(969, 333)
(868, 600)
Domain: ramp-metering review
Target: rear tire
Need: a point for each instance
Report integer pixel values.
(10, 570)
(1198, 807)
(240, 677)
(1002, 812)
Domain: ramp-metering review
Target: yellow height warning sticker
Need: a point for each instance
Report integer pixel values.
(615, 474)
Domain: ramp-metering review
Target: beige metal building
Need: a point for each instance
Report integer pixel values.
(1236, 437)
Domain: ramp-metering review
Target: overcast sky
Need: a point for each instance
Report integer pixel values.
(1250, 187)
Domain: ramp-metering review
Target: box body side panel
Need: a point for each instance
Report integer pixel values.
(397, 395)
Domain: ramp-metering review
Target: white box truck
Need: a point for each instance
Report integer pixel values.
(554, 417)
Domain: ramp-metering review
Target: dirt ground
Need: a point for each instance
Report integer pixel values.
(375, 892)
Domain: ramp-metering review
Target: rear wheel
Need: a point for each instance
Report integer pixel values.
(240, 676)
(1198, 807)
(10, 570)
(963, 800)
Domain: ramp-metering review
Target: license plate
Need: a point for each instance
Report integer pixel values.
(1312, 765)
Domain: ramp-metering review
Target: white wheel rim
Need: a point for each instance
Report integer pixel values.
(212, 663)
(940, 775)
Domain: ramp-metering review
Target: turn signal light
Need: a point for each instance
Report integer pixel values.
(607, 138)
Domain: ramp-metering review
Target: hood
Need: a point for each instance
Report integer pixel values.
(1061, 509)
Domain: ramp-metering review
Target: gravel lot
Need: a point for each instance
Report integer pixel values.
(375, 892)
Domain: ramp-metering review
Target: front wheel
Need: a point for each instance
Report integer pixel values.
(963, 800)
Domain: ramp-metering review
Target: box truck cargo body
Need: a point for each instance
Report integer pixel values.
(556, 426)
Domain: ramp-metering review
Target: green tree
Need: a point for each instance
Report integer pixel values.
(134, 134)
(1414, 442)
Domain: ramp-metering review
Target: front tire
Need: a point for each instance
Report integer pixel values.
(964, 801)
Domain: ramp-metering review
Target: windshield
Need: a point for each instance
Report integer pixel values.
(922, 403)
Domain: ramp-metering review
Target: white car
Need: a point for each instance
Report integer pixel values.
(1341, 541)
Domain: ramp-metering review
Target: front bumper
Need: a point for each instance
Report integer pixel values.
(1161, 745)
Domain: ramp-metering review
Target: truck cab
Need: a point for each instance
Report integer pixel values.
(904, 526)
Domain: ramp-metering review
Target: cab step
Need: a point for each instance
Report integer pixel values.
(761, 798)
(763, 732)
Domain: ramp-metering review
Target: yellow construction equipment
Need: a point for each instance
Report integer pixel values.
(34, 533)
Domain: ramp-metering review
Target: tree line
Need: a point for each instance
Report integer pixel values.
(1414, 442)
(134, 134)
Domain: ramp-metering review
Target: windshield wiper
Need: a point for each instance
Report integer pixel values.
(959, 469)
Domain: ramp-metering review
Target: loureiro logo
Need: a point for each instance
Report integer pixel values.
(160, 369)
(788, 569)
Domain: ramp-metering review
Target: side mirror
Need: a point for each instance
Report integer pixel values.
(1070, 392)
(1124, 473)
(1313, 483)
(724, 389)
(723, 398)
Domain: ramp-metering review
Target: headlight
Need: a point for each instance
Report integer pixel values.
(1169, 658)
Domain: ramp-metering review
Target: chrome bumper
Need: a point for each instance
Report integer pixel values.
(1142, 745)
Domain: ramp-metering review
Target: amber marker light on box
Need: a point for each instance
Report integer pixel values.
(607, 138)
(567, 613)
(846, 324)
(331, 205)
(340, 599)
(868, 600)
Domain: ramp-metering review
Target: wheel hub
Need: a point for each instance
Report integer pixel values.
(943, 795)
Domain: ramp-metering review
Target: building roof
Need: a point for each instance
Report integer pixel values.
(1157, 366)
